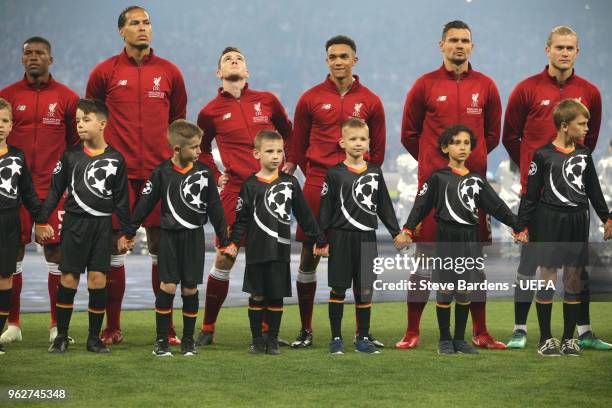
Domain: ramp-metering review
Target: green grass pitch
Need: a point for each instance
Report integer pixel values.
(226, 375)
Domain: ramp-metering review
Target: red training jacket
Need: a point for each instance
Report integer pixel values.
(233, 123)
(529, 125)
(438, 100)
(142, 101)
(317, 127)
(44, 125)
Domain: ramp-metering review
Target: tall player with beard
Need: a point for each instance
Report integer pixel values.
(233, 119)
(94, 175)
(144, 94)
(319, 115)
(354, 195)
(561, 182)
(189, 197)
(453, 94)
(43, 127)
(456, 194)
(528, 125)
(263, 214)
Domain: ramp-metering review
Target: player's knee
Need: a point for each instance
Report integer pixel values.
(363, 296)
(188, 290)
(70, 280)
(444, 297)
(6, 283)
(463, 297)
(168, 287)
(96, 280)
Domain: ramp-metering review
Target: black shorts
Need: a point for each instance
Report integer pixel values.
(560, 237)
(270, 279)
(351, 259)
(86, 244)
(10, 239)
(181, 256)
(458, 253)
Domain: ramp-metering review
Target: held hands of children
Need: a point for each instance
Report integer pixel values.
(522, 236)
(402, 240)
(231, 251)
(43, 233)
(323, 251)
(608, 230)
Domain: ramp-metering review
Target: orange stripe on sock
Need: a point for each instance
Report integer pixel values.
(462, 303)
(544, 302)
(442, 305)
(96, 311)
(336, 301)
(363, 305)
(255, 308)
(275, 309)
(190, 314)
(3, 313)
(64, 306)
(163, 311)
(569, 302)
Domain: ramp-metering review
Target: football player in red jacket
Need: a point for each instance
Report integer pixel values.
(528, 125)
(43, 127)
(232, 119)
(319, 115)
(144, 94)
(453, 94)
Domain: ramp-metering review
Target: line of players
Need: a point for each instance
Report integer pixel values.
(354, 195)
(145, 93)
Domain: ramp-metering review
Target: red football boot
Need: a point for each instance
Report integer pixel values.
(410, 340)
(486, 341)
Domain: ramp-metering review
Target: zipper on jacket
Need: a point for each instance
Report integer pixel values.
(458, 102)
(140, 141)
(246, 122)
(33, 164)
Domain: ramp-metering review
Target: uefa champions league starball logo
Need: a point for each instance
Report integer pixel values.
(99, 176)
(148, 187)
(573, 168)
(58, 167)
(278, 201)
(364, 192)
(423, 189)
(324, 189)
(191, 191)
(468, 191)
(10, 169)
(533, 169)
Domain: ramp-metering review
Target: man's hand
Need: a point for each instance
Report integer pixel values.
(124, 244)
(43, 233)
(289, 168)
(222, 180)
(608, 230)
